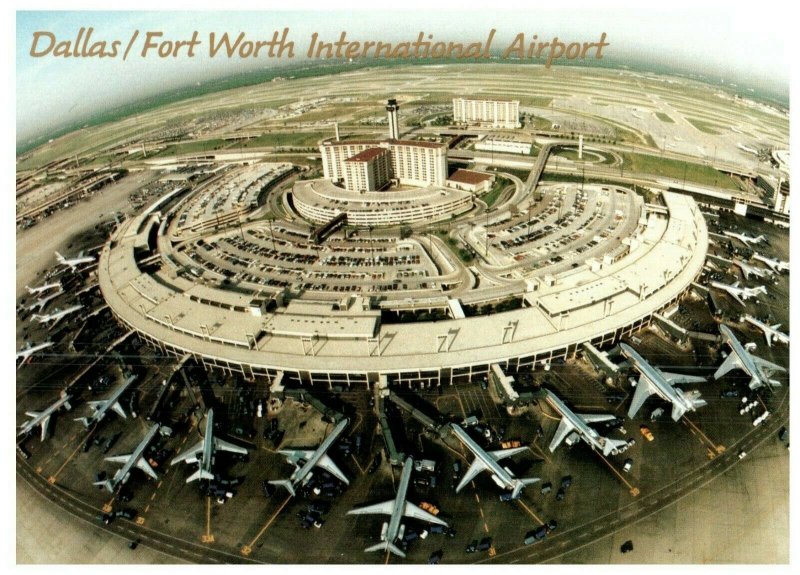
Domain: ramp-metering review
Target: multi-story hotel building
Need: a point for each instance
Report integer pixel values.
(490, 113)
(410, 162)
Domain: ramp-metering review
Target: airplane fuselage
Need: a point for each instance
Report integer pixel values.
(50, 410)
(124, 472)
(745, 239)
(208, 444)
(495, 468)
(662, 387)
(57, 315)
(100, 412)
(588, 434)
(301, 472)
(26, 353)
(744, 356)
(770, 333)
(775, 265)
(400, 502)
(42, 288)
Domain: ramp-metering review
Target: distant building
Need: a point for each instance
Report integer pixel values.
(503, 144)
(778, 190)
(470, 181)
(489, 113)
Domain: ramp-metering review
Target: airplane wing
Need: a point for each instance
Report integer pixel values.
(678, 378)
(144, 466)
(415, 512)
(736, 297)
(677, 411)
(504, 453)
(763, 364)
(596, 417)
(564, 429)
(328, 465)
(44, 422)
(118, 410)
(121, 459)
(222, 445)
(385, 508)
(190, 455)
(731, 362)
(295, 455)
(477, 466)
(644, 389)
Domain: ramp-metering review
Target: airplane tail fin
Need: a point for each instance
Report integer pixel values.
(287, 483)
(107, 484)
(521, 483)
(614, 446)
(698, 402)
(200, 474)
(385, 546)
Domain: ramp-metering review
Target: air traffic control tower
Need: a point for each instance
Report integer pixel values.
(394, 127)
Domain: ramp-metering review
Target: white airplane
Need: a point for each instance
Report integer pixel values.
(73, 263)
(747, 270)
(744, 238)
(43, 288)
(739, 293)
(129, 461)
(203, 451)
(576, 425)
(312, 458)
(99, 408)
(653, 380)
(758, 369)
(57, 315)
(28, 350)
(771, 332)
(42, 418)
(775, 265)
(488, 461)
(40, 303)
(396, 508)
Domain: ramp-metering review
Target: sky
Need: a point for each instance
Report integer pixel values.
(735, 43)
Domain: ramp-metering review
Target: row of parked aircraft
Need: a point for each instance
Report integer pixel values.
(652, 381)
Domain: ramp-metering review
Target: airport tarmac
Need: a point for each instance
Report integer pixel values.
(47, 536)
(740, 517)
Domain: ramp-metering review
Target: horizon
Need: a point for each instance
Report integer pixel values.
(75, 96)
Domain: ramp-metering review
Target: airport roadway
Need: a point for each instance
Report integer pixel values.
(127, 530)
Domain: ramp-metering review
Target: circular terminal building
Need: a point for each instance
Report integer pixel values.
(203, 272)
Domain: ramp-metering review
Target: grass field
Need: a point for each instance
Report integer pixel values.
(705, 127)
(664, 118)
(677, 169)
(303, 139)
(193, 147)
(589, 156)
(492, 195)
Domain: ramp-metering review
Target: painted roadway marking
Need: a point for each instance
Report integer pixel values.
(247, 549)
